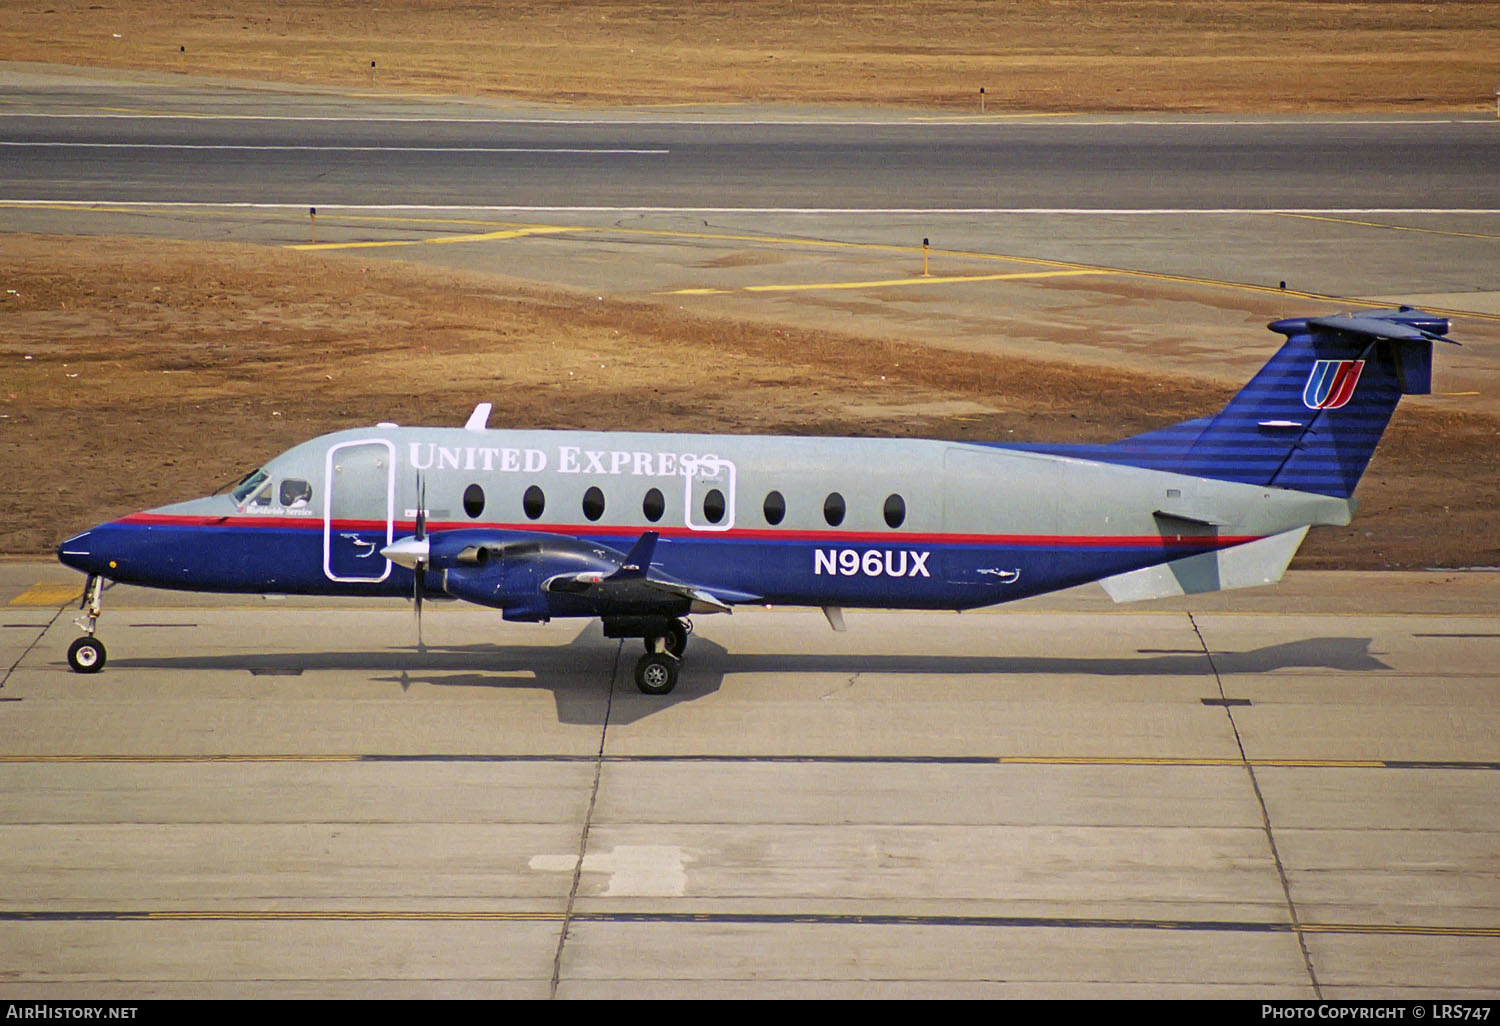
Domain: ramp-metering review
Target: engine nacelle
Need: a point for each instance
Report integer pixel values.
(510, 575)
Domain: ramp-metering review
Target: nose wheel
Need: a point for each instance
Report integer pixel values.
(87, 654)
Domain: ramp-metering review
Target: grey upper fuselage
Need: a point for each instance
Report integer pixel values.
(946, 488)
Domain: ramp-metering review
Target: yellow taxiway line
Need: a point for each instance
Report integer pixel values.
(507, 230)
(1159, 762)
(888, 282)
(510, 233)
(1386, 227)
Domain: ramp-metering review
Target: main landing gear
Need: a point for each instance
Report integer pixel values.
(87, 654)
(666, 639)
(656, 671)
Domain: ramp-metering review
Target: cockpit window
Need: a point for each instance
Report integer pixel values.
(295, 494)
(249, 486)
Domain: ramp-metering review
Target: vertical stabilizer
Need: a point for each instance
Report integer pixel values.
(1311, 418)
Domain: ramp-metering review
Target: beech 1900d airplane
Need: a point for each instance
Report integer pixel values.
(641, 530)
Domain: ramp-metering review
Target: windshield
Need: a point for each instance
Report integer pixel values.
(248, 485)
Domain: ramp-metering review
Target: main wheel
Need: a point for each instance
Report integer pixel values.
(656, 673)
(86, 655)
(676, 636)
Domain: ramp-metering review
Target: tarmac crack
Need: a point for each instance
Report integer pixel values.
(1265, 814)
(588, 819)
(34, 643)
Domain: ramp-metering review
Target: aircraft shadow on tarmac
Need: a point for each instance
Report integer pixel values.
(582, 673)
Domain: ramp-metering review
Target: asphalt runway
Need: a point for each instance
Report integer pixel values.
(1050, 164)
(138, 143)
(1057, 799)
(1078, 238)
(1281, 793)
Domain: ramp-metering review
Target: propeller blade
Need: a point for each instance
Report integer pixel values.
(421, 507)
(417, 604)
(419, 567)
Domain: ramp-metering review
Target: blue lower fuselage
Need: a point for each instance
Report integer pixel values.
(822, 568)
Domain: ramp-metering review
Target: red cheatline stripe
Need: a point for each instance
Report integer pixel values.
(736, 534)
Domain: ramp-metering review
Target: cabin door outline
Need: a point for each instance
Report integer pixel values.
(701, 476)
(359, 502)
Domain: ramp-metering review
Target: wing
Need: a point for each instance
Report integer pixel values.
(634, 588)
(537, 576)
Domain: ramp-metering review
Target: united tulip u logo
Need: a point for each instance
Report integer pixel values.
(1331, 384)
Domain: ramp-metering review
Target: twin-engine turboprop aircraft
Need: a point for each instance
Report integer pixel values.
(640, 530)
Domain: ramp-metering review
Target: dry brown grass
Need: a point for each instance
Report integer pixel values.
(139, 372)
(1028, 55)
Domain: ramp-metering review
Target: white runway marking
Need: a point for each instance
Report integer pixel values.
(634, 870)
(337, 149)
(1018, 120)
(817, 211)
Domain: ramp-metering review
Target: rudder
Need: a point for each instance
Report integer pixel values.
(1311, 418)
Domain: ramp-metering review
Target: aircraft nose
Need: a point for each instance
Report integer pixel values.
(77, 552)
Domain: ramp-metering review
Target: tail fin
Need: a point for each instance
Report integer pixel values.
(1310, 420)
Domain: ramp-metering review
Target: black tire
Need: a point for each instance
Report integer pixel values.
(87, 655)
(677, 637)
(656, 673)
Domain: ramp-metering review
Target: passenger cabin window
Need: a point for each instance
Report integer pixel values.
(895, 511)
(593, 503)
(473, 501)
(774, 508)
(713, 506)
(533, 502)
(654, 505)
(833, 509)
(295, 494)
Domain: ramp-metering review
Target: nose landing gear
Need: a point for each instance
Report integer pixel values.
(87, 654)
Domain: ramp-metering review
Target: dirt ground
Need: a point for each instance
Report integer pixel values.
(142, 372)
(1027, 55)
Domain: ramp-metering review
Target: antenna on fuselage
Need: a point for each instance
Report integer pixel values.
(480, 418)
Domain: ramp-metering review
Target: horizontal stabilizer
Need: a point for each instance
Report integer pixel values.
(1243, 566)
(1399, 325)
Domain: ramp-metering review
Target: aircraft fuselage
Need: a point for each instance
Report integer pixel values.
(786, 520)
